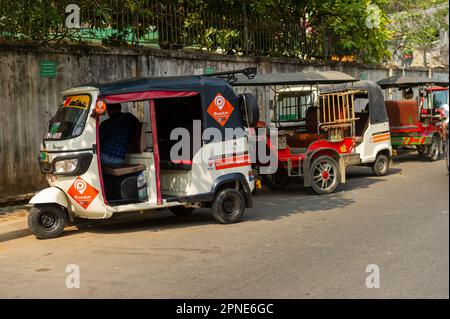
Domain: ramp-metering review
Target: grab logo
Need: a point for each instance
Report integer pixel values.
(80, 185)
(219, 101)
(220, 109)
(82, 192)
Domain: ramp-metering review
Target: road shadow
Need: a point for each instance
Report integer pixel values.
(405, 157)
(269, 205)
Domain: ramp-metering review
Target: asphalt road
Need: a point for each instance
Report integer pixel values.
(292, 244)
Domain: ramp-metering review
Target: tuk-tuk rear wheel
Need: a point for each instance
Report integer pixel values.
(228, 206)
(325, 175)
(381, 165)
(47, 221)
(435, 149)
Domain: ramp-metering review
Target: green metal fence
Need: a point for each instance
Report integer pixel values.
(166, 25)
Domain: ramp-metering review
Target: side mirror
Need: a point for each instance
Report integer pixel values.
(100, 108)
(249, 109)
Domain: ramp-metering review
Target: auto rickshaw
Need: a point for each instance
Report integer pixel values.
(316, 130)
(214, 172)
(414, 122)
(372, 137)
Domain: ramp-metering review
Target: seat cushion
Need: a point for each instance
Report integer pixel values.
(123, 169)
(302, 140)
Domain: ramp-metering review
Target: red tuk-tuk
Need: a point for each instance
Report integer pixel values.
(414, 118)
(316, 130)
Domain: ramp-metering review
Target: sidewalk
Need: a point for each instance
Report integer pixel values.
(13, 222)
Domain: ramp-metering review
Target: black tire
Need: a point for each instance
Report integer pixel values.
(181, 210)
(228, 206)
(325, 175)
(47, 221)
(381, 165)
(435, 149)
(248, 106)
(422, 149)
(277, 181)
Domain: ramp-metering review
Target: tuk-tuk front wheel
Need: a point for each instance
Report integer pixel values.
(47, 221)
(381, 165)
(228, 206)
(325, 175)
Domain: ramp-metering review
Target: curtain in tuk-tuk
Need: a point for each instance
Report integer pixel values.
(377, 106)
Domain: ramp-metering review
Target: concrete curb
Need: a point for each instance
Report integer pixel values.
(14, 229)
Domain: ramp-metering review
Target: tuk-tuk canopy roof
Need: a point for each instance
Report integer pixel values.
(168, 83)
(310, 78)
(377, 106)
(174, 87)
(404, 81)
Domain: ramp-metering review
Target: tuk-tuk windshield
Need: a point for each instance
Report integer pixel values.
(70, 118)
(440, 98)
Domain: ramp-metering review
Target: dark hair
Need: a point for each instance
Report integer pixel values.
(114, 106)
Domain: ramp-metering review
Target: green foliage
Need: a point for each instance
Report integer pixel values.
(419, 28)
(224, 39)
(295, 28)
(31, 20)
(394, 6)
(347, 20)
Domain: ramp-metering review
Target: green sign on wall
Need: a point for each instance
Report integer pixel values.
(47, 69)
(363, 76)
(209, 70)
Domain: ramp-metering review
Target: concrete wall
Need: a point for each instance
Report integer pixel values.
(27, 101)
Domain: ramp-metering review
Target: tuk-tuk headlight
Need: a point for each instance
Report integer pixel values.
(71, 165)
(65, 166)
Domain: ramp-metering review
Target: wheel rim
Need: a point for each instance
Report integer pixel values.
(434, 148)
(230, 206)
(47, 220)
(381, 165)
(324, 175)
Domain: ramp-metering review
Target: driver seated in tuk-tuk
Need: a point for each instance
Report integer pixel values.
(115, 134)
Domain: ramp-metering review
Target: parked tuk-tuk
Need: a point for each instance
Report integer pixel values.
(316, 129)
(215, 172)
(414, 119)
(372, 137)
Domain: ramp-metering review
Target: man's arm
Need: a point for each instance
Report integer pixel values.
(103, 130)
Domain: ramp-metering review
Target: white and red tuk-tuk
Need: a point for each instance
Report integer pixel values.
(213, 169)
(322, 127)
